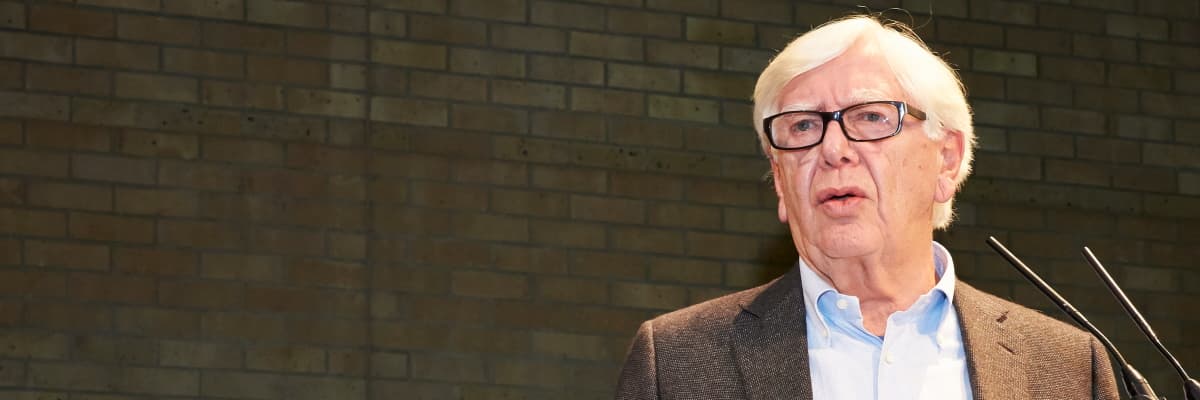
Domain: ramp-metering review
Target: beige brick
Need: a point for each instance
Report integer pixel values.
(103, 227)
(449, 86)
(500, 10)
(327, 103)
(69, 255)
(1008, 62)
(487, 62)
(27, 46)
(490, 227)
(568, 234)
(157, 87)
(176, 353)
(243, 37)
(1072, 70)
(284, 241)
(241, 326)
(687, 54)
(719, 31)
(36, 345)
(572, 290)
(567, 70)
(569, 125)
(979, 33)
(570, 179)
(416, 112)
(321, 45)
(112, 54)
(629, 76)
(718, 85)
(607, 209)
(203, 63)
(648, 295)
(220, 9)
(260, 96)
(429, 6)
(147, 143)
(694, 272)
(447, 29)
(701, 7)
(683, 108)
(1070, 120)
(200, 234)
(287, 70)
(389, 365)
(489, 284)
(58, 135)
(528, 38)
(606, 46)
(282, 12)
(12, 191)
(29, 105)
(158, 262)
(300, 359)
(33, 163)
(1105, 47)
(348, 19)
(529, 373)
(12, 15)
(775, 11)
(1136, 27)
(523, 202)
(71, 21)
(565, 15)
(1039, 91)
(644, 23)
(1039, 40)
(69, 316)
(348, 76)
(408, 54)
(144, 28)
(56, 78)
(33, 223)
(386, 23)
(321, 158)
(113, 169)
(608, 101)
(528, 94)
(648, 240)
(1001, 114)
(12, 75)
(114, 289)
(1004, 11)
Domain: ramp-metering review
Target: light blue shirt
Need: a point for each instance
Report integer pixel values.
(921, 355)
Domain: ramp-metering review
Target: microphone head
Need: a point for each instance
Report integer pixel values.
(1192, 389)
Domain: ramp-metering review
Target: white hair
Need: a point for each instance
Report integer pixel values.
(928, 82)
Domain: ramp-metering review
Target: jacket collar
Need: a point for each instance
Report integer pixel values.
(769, 341)
(995, 359)
(771, 347)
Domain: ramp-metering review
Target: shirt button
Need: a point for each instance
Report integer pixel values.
(887, 357)
(842, 304)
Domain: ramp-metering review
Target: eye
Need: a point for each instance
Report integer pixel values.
(804, 125)
(871, 116)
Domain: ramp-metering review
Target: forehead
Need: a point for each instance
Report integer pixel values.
(859, 75)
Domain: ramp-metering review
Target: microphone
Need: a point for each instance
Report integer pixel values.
(1190, 386)
(1135, 384)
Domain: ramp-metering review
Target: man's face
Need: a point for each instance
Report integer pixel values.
(846, 199)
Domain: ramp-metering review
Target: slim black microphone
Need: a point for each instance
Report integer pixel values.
(1190, 387)
(1135, 384)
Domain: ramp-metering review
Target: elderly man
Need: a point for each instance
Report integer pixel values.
(869, 137)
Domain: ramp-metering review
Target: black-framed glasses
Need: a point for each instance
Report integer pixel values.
(875, 120)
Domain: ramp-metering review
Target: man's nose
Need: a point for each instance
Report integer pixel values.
(835, 147)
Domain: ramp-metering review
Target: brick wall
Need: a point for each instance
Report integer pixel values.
(428, 199)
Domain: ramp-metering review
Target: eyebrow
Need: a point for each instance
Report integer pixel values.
(858, 96)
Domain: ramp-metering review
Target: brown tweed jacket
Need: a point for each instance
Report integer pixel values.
(752, 345)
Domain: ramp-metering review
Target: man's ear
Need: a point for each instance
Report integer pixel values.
(950, 155)
(775, 179)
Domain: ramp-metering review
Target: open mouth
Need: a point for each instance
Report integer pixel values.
(840, 194)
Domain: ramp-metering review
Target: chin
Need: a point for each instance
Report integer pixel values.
(847, 241)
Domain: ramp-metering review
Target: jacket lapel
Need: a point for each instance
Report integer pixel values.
(770, 342)
(997, 366)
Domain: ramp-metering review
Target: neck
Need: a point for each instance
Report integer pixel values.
(885, 282)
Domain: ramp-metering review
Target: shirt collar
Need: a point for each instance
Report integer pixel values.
(815, 286)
